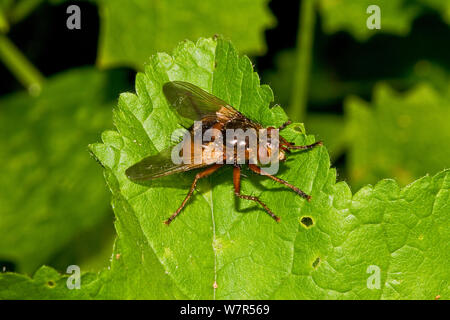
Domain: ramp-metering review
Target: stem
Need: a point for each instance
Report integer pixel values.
(18, 64)
(22, 9)
(305, 35)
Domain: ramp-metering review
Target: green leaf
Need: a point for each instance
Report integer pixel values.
(398, 135)
(433, 74)
(396, 15)
(46, 284)
(130, 33)
(351, 16)
(329, 88)
(50, 189)
(320, 249)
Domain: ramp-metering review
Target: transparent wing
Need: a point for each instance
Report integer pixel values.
(190, 102)
(194, 103)
(159, 165)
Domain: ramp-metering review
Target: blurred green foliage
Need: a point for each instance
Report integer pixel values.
(399, 136)
(397, 15)
(51, 189)
(159, 25)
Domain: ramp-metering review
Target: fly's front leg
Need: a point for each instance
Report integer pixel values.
(237, 192)
(260, 171)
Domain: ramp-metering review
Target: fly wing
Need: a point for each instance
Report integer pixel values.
(194, 103)
(159, 165)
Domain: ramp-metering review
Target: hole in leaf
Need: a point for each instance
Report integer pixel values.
(307, 221)
(298, 128)
(51, 283)
(316, 263)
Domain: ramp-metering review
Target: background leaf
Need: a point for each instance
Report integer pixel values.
(443, 7)
(160, 25)
(237, 245)
(46, 284)
(351, 16)
(51, 190)
(396, 15)
(398, 135)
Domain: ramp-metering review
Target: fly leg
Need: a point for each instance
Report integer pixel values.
(237, 192)
(284, 125)
(309, 146)
(258, 170)
(199, 175)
